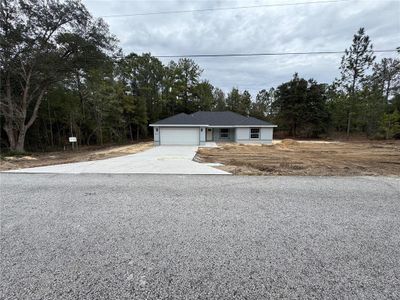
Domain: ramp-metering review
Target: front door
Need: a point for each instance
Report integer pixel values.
(209, 134)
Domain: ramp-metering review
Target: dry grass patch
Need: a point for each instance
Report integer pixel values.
(290, 157)
(69, 156)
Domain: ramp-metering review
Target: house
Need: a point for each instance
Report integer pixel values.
(209, 126)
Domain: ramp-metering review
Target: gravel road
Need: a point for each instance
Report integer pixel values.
(199, 237)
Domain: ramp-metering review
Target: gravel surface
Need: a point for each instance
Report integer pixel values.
(199, 237)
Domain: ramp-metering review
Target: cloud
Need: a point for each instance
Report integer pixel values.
(292, 28)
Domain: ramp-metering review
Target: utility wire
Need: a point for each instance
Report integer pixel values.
(248, 54)
(263, 54)
(221, 8)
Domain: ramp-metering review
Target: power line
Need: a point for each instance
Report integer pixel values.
(263, 54)
(222, 8)
(92, 58)
(249, 54)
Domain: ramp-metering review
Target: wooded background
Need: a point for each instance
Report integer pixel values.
(63, 74)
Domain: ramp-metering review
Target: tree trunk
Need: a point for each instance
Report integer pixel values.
(9, 115)
(19, 147)
(16, 127)
(352, 100)
(17, 138)
(387, 130)
(130, 131)
(101, 136)
(50, 123)
(348, 123)
(59, 135)
(294, 130)
(11, 138)
(387, 92)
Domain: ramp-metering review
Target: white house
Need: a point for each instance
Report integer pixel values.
(206, 126)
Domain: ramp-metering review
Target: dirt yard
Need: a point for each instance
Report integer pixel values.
(69, 156)
(289, 157)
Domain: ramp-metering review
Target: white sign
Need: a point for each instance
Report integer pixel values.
(72, 139)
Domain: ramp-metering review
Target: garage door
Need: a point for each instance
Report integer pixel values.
(179, 136)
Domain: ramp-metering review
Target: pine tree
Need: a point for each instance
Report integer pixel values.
(355, 62)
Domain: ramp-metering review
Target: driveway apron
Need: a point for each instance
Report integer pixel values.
(157, 160)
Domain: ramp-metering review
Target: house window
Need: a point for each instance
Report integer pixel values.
(254, 133)
(224, 133)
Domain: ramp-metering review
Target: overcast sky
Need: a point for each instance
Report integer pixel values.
(315, 27)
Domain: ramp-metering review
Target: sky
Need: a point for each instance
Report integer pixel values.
(296, 28)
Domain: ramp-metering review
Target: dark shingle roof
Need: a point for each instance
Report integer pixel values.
(212, 118)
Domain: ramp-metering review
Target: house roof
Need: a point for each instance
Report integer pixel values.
(212, 118)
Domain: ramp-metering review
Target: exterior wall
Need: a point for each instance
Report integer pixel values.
(156, 131)
(239, 135)
(243, 136)
(203, 135)
(217, 137)
(266, 134)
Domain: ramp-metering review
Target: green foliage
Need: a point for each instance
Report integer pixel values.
(204, 98)
(144, 74)
(359, 100)
(239, 102)
(219, 99)
(262, 107)
(337, 104)
(245, 103)
(356, 61)
(62, 74)
(390, 124)
(300, 107)
(233, 100)
(183, 81)
(43, 43)
(394, 103)
(386, 77)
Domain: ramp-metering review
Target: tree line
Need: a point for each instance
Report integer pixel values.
(63, 74)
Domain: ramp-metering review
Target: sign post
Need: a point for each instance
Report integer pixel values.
(72, 140)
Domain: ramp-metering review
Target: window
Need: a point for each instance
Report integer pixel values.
(224, 133)
(254, 133)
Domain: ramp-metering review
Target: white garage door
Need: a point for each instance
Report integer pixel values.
(179, 136)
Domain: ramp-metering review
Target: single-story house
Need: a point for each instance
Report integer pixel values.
(209, 126)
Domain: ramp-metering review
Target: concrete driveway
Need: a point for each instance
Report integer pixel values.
(157, 160)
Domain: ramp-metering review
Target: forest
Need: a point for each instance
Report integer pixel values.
(62, 74)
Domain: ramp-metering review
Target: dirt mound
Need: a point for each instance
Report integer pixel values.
(317, 158)
(289, 142)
